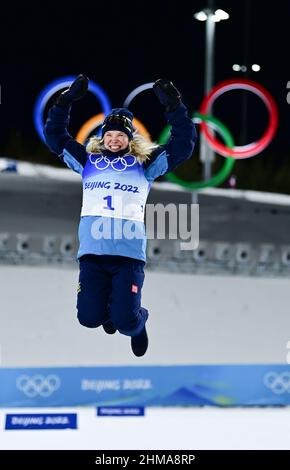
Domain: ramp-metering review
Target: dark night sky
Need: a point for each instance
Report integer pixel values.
(121, 45)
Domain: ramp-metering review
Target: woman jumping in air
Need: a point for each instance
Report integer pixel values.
(117, 169)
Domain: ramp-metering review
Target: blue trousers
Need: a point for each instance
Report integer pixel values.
(110, 288)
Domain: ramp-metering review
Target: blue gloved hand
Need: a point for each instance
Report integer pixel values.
(76, 91)
(167, 94)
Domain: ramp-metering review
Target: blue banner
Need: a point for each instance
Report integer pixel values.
(41, 421)
(191, 385)
(120, 411)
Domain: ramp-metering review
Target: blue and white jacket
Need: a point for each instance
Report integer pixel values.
(115, 185)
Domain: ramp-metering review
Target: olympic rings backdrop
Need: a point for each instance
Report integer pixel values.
(208, 123)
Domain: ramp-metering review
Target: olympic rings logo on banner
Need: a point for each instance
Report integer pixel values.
(207, 122)
(278, 383)
(118, 163)
(38, 385)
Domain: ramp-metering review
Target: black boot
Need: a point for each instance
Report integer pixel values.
(109, 327)
(139, 343)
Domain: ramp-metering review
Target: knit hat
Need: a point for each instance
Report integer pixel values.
(119, 119)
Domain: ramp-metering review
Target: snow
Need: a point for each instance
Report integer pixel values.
(64, 174)
(160, 428)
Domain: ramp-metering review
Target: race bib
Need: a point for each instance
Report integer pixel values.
(114, 187)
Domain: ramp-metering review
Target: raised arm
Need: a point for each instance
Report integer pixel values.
(56, 134)
(183, 134)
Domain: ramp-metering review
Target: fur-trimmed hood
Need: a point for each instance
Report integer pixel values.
(138, 146)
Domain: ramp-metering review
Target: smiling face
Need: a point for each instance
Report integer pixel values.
(115, 141)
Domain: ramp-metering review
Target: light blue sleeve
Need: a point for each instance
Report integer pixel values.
(157, 168)
(72, 162)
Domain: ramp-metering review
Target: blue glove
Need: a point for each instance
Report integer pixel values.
(76, 91)
(167, 94)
